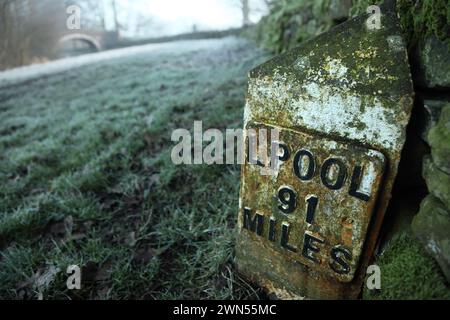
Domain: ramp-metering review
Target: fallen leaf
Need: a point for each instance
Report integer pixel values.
(38, 282)
(130, 240)
(143, 255)
(62, 228)
(44, 277)
(89, 271)
(103, 273)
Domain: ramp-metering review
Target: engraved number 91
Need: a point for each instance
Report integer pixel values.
(287, 200)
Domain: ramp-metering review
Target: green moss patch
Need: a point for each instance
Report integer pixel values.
(291, 22)
(408, 272)
(423, 18)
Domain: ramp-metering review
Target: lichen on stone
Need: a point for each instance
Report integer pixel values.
(438, 182)
(431, 227)
(360, 6)
(291, 22)
(439, 139)
(423, 18)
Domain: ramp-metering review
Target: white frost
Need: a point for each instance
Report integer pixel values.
(328, 110)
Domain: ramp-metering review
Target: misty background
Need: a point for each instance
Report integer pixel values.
(35, 31)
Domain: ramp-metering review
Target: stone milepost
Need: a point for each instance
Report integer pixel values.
(341, 103)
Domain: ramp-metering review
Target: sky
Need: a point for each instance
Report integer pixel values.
(170, 17)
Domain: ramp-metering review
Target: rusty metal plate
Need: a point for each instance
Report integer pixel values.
(317, 208)
(347, 94)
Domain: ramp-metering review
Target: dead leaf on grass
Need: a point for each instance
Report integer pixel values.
(38, 282)
(130, 239)
(143, 255)
(62, 228)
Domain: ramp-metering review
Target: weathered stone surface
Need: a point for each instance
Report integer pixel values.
(432, 224)
(347, 229)
(340, 9)
(432, 227)
(345, 95)
(439, 139)
(434, 60)
(438, 182)
(432, 111)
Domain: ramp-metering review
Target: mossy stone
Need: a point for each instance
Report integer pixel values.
(432, 112)
(291, 22)
(438, 181)
(408, 272)
(431, 226)
(434, 60)
(439, 139)
(340, 9)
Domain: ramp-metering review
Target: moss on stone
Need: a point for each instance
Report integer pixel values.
(291, 22)
(407, 272)
(438, 182)
(360, 6)
(423, 18)
(439, 138)
(419, 18)
(431, 227)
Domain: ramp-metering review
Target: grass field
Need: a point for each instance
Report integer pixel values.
(86, 178)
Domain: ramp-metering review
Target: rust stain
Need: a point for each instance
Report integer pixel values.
(347, 226)
(343, 101)
(299, 212)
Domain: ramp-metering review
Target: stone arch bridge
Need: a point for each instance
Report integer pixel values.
(95, 40)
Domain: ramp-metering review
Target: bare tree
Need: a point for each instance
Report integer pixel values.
(143, 24)
(245, 13)
(116, 21)
(252, 6)
(26, 32)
